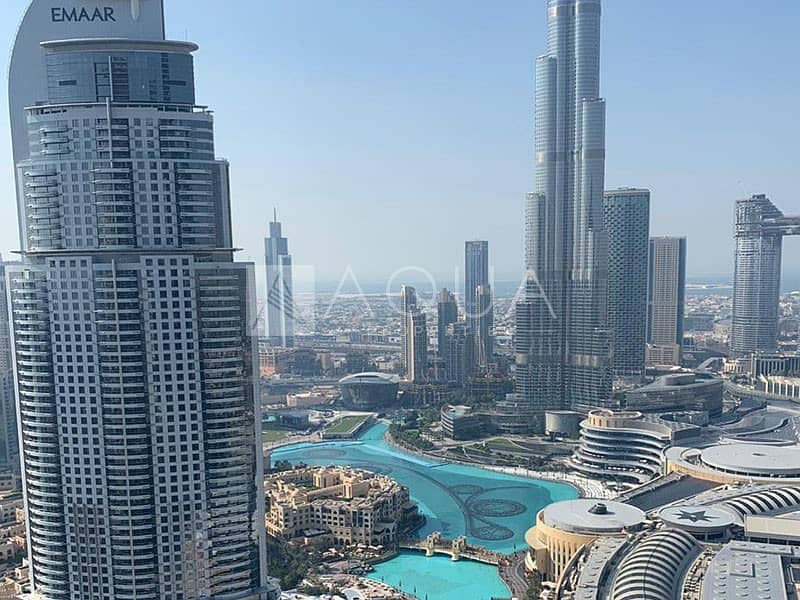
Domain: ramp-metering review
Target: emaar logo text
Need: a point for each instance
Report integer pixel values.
(75, 15)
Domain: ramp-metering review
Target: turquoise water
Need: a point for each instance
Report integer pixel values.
(492, 509)
(439, 578)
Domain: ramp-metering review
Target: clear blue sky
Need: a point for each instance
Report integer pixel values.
(389, 131)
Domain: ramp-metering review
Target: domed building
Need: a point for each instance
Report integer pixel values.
(563, 528)
(369, 391)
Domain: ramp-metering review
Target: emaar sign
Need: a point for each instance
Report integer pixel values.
(73, 15)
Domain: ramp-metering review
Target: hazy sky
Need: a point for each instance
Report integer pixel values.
(387, 132)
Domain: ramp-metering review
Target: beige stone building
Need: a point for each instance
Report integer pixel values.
(337, 506)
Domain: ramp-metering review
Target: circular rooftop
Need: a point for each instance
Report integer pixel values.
(698, 519)
(754, 460)
(370, 378)
(591, 516)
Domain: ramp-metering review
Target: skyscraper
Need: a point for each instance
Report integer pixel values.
(561, 338)
(408, 303)
(666, 291)
(135, 359)
(447, 313)
(476, 273)
(280, 299)
(484, 329)
(460, 354)
(760, 228)
(626, 215)
(9, 441)
(417, 346)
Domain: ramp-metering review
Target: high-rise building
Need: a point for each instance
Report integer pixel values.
(666, 291)
(9, 440)
(760, 228)
(280, 299)
(408, 303)
(135, 359)
(417, 346)
(626, 216)
(476, 273)
(460, 355)
(447, 313)
(561, 336)
(484, 328)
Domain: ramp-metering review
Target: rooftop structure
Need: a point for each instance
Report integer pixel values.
(678, 391)
(563, 528)
(685, 551)
(737, 462)
(704, 521)
(346, 506)
(748, 571)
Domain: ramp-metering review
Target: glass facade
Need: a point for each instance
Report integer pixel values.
(139, 76)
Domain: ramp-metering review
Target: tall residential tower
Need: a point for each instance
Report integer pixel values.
(562, 341)
(476, 273)
(626, 214)
(133, 326)
(280, 299)
(666, 295)
(760, 228)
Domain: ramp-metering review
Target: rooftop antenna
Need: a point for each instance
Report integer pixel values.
(275, 214)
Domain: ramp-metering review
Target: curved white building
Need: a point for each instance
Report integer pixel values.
(625, 445)
(132, 323)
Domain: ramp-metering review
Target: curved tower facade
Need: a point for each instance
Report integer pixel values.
(760, 227)
(562, 342)
(132, 324)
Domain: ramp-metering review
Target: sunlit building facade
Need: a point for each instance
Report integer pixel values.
(132, 323)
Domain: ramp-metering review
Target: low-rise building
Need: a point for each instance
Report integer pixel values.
(316, 396)
(679, 392)
(369, 391)
(776, 385)
(626, 445)
(564, 528)
(337, 506)
(463, 423)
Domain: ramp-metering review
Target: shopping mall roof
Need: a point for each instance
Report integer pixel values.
(697, 519)
(591, 516)
(756, 460)
(370, 378)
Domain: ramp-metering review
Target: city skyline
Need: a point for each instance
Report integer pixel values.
(715, 193)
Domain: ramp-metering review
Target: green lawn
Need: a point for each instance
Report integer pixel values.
(273, 434)
(346, 424)
(502, 443)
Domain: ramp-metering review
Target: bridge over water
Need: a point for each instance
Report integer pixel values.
(455, 549)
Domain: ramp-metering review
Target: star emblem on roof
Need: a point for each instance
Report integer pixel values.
(694, 516)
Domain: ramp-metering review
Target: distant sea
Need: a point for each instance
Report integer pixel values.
(706, 285)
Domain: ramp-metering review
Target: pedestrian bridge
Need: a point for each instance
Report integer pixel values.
(455, 549)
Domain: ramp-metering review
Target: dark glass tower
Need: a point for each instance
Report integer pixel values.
(476, 274)
(626, 214)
